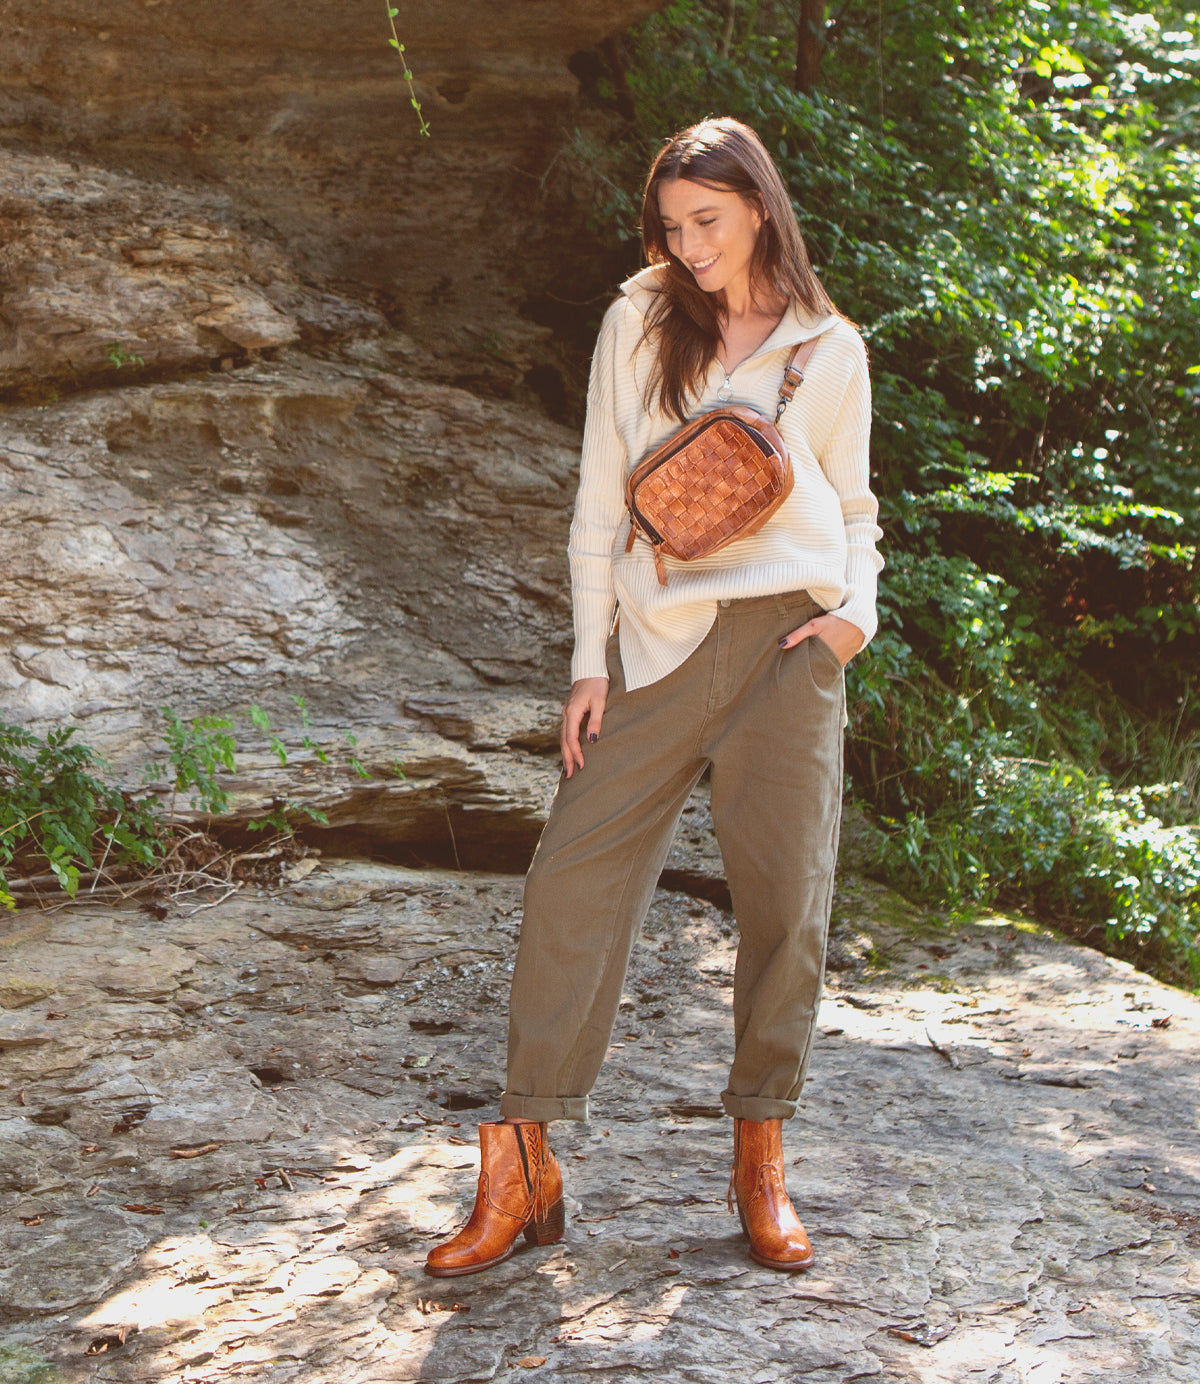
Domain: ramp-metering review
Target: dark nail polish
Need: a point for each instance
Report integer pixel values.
(783, 643)
(593, 737)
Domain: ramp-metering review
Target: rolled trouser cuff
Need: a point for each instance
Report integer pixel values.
(757, 1107)
(542, 1108)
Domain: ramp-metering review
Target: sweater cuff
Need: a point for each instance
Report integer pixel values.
(587, 663)
(861, 613)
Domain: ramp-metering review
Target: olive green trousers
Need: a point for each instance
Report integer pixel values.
(768, 723)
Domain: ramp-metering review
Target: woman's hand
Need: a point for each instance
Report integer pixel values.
(585, 703)
(840, 635)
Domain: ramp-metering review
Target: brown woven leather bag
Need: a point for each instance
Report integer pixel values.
(719, 478)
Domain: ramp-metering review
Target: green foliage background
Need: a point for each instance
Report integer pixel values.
(1005, 197)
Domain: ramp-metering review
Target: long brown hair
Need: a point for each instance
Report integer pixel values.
(685, 323)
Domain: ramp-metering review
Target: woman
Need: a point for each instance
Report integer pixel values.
(734, 666)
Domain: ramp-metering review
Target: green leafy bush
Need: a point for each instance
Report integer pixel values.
(1071, 850)
(62, 821)
(55, 811)
(197, 751)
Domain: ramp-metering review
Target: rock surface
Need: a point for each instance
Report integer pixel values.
(102, 273)
(303, 118)
(326, 529)
(229, 1137)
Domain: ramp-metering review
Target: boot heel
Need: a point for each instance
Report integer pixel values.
(549, 1230)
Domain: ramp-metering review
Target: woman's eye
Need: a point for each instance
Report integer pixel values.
(709, 222)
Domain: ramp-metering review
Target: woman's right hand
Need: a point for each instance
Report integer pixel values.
(585, 704)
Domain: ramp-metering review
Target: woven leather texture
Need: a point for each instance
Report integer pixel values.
(722, 483)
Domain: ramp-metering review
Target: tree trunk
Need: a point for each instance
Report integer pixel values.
(810, 44)
(727, 35)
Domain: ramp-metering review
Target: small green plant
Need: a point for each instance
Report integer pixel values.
(353, 760)
(282, 816)
(55, 812)
(120, 357)
(197, 751)
(286, 810)
(422, 123)
(62, 826)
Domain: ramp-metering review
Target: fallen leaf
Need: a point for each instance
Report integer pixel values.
(196, 1152)
(32, 1220)
(454, 1139)
(1164, 1022)
(21, 1096)
(54, 1014)
(130, 1120)
(301, 869)
(531, 1362)
(112, 1340)
(141, 1208)
(922, 1335)
(86, 1149)
(672, 1254)
(92, 1190)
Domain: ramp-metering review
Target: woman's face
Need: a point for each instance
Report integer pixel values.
(712, 232)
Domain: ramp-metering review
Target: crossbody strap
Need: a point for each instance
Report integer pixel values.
(793, 375)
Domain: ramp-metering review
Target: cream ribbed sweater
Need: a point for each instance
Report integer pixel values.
(821, 539)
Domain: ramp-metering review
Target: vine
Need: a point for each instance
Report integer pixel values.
(422, 123)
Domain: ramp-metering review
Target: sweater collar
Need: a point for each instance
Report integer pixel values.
(793, 328)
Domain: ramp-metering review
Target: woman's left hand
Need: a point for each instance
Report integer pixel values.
(840, 635)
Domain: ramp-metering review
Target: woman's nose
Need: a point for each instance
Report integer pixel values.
(689, 239)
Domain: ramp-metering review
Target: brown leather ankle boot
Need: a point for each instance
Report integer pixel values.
(520, 1189)
(777, 1239)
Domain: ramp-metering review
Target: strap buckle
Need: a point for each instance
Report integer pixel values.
(793, 375)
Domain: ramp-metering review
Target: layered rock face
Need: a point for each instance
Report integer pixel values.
(107, 278)
(256, 338)
(301, 114)
(271, 523)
